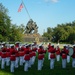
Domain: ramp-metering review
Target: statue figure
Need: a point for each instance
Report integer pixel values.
(31, 27)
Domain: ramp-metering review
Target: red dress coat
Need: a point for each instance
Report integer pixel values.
(0, 53)
(40, 54)
(12, 54)
(64, 53)
(27, 54)
(8, 52)
(3, 55)
(73, 56)
(58, 51)
(21, 51)
(52, 55)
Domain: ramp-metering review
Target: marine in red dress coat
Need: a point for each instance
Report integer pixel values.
(64, 53)
(40, 53)
(3, 52)
(21, 51)
(8, 52)
(3, 56)
(73, 56)
(12, 54)
(52, 51)
(27, 53)
(58, 51)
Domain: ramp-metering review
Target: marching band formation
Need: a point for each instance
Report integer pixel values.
(15, 55)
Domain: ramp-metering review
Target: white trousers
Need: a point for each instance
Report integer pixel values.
(49, 56)
(30, 62)
(68, 58)
(3, 63)
(73, 62)
(64, 61)
(21, 60)
(40, 63)
(16, 62)
(26, 65)
(33, 59)
(12, 66)
(58, 57)
(52, 63)
(0, 58)
(7, 61)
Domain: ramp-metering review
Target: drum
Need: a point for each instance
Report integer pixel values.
(70, 51)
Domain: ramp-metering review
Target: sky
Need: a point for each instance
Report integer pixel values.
(46, 13)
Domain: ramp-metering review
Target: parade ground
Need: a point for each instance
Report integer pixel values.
(45, 71)
(58, 70)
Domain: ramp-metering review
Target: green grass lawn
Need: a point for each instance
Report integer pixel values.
(45, 70)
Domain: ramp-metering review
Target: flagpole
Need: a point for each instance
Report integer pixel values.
(26, 9)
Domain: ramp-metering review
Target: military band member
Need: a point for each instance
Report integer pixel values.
(7, 56)
(40, 57)
(31, 54)
(64, 53)
(49, 50)
(12, 58)
(73, 57)
(34, 49)
(17, 58)
(57, 53)
(21, 55)
(17, 45)
(3, 56)
(68, 56)
(0, 51)
(26, 58)
(52, 57)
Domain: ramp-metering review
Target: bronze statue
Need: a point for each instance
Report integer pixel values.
(31, 27)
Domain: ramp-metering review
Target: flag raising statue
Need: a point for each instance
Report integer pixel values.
(20, 8)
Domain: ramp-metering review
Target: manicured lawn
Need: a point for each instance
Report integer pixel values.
(45, 70)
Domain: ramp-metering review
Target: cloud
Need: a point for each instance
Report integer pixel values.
(54, 1)
(47, 0)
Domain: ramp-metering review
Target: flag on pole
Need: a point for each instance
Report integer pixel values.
(20, 8)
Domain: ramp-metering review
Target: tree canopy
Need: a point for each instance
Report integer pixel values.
(9, 31)
(62, 32)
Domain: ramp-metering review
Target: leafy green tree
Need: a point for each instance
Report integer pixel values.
(48, 34)
(63, 32)
(16, 33)
(5, 23)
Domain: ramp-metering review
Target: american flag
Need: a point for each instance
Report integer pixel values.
(20, 8)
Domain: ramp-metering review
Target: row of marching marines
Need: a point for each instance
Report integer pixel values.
(16, 55)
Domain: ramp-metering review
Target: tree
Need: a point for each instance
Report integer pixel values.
(8, 31)
(48, 34)
(5, 23)
(16, 33)
(63, 33)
